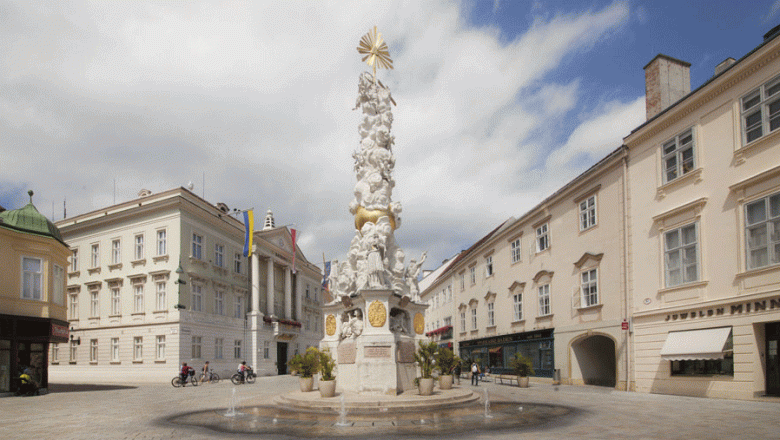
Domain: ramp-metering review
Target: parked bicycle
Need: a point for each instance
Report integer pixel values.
(181, 380)
(238, 378)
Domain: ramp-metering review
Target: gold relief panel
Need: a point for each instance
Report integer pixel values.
(377, 314)
(419, 323)
(330, 325)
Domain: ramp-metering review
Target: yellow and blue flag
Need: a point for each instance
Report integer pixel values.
(249, 227)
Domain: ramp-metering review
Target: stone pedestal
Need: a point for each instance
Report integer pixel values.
(373, 336)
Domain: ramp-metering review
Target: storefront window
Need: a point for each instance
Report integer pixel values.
(723, 367)
(5, 365)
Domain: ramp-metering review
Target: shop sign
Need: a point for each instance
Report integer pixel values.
(734, 309)
(624, 325)
(60, 331)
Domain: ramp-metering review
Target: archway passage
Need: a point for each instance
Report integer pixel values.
(594, 356)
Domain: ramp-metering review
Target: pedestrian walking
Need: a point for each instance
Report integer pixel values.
(474, 374)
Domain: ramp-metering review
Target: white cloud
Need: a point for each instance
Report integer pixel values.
(258, 96)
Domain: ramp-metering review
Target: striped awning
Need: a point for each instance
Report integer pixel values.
(711, 343)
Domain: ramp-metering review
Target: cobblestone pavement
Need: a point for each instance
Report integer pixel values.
(139, 412)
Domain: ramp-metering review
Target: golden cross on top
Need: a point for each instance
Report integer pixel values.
(375, 51)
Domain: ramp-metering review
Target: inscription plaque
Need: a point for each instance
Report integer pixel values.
(406, 352)
(377, 352)
(347, 353)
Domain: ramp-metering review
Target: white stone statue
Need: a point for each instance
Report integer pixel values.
(412, 273)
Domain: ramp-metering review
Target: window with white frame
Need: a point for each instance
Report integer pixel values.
(544, 300)
(760, 111)
(316, 294)
(266, 350)
(239, 310)
(114, 349)
(449, 294)
(474, 318)
(491, 314)
(542, 238)
(116, 251)
(32, 278)
(73, 306)
(197, 343)
(237, 262)
(762, 232)
(197, 246)
(219, 255)
(489, 266)
(462, 281)
(218, 345)
(473, 274)
(94, 304)
(160, 296)
(73, 351)
(516, 250)
(55, 353)
(74, 260)
(197, 297)
(517, 301)
(138, 298)
(139, 247)
(236, 349)
(678, 156)
(160, 348)
(93, 350)
(116, 301)
(307, 291)
(681, 255)
(162, 242)
(589, 287)
(588, 213)
(448, 321)
(219, 303)
(138, 348)
(95, 255)
(58, 288)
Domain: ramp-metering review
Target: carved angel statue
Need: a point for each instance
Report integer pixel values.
(412, 272)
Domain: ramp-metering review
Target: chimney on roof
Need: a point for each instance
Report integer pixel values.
(772, 33)
(723, 65)
(667, 80)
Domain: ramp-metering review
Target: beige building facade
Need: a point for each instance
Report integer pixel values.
(705, 231)
(162, 280)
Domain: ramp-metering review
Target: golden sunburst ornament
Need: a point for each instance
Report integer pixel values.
(375, 51)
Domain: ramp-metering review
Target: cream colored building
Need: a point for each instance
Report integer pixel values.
(33, 258)
(162, 280)
(705, 229)
(549, 284)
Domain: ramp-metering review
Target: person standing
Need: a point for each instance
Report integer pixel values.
(458, 371)
(205, 375)
(474, 374)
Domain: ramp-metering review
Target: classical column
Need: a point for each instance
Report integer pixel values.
(287, 293)
(255, 263)
(299, 283)
(269, 286)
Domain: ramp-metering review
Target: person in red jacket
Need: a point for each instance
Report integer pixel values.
(185, 371)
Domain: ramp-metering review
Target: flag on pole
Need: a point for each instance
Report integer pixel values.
(292, 231)
(249, 227)
(326, 275)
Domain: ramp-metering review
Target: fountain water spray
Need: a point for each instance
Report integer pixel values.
(343, 414)
(232, 409)
(487, 405)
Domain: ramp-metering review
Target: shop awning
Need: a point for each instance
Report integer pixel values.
(696, 344)
(495, 350)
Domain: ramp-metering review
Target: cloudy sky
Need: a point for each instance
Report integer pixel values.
(499, 103)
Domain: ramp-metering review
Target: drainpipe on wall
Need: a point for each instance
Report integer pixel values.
(626, 268)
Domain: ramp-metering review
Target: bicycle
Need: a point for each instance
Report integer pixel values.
(212, 377)
(177, 382)
(238, 378)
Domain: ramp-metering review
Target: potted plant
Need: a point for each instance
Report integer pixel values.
(425, 358)
(306, 366)
(523, 367)
(328, 380)
(446, 361)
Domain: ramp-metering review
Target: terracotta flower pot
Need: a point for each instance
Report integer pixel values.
(307, 384)
(522, 381)
(426, 386)
(445, 382)
(327, 388)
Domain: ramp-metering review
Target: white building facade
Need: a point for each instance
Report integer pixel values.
(162, 280)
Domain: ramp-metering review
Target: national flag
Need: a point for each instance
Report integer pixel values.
(326, 275)
(292, 231)
(249, 228)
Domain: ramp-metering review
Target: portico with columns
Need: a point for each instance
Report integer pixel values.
(285, 300)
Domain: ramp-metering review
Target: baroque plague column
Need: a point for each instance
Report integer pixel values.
(376, 316)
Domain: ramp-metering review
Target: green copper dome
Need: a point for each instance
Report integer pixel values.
(29, 220)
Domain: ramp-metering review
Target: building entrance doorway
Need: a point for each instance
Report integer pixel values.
(593, 361)
(281, 357)
(772, 358)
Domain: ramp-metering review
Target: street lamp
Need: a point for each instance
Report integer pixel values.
(179, 282)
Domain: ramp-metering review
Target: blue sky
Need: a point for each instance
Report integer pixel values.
(499, 103)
